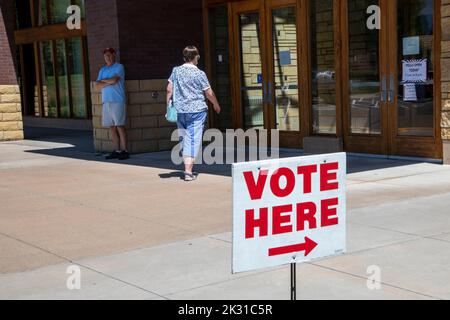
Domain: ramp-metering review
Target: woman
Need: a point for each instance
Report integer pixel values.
(191, 86)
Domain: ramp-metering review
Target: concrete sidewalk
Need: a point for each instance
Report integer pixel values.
(136, 233)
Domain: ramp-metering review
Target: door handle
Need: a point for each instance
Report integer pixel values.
(391, 96)
(269, 94)
(264, 92)
(383, 88)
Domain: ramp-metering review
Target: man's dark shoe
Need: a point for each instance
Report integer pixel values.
(113, 155)
(124, 155)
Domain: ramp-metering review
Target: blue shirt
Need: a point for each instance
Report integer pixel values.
(113, 93)
(189, 88)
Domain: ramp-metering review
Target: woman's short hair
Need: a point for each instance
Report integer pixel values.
(190, 53)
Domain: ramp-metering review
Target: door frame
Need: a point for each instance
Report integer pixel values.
(428, 147)
(389, 142)
(304, 70)
(247, 6)
(364, 143)
(383, 144)
(291, 139)
(294, 139)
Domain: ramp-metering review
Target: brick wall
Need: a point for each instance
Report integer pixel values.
(445, 75)
(149, 35)
(11, 126)
(7, 49)
(147, 129)
(154, 33)
(102, 31)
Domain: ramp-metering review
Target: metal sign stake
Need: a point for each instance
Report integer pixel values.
(293, 281)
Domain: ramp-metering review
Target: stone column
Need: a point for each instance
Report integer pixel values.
(445, 77)
(147, 128)
(11, 126)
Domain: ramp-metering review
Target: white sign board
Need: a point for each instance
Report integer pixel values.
(410, 93)
(288, 211)
(411, 46)
(414, 70)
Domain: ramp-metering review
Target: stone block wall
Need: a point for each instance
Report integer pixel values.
(445, 77)
(147, 128)
(11, 125)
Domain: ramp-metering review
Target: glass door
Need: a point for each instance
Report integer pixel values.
(390, 94)
(283, 60)
(266, 46)
(365, 82)
(414, 58)
(248, 20)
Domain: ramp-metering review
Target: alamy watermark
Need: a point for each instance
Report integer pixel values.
(231, 146)
(74, 19)
(374, 278)
(74, 280)
(374, 21)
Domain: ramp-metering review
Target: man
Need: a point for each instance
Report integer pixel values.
(111, 81)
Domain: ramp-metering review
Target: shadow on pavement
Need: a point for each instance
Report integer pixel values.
(82, 141)
(81, 147)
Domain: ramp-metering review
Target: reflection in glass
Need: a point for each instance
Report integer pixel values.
(58, 11)
(364, 70)
(322, 64)
(286, 69)
(43, 19)
(48, 77)
(251, 70)
(415, 42)
(80, 3)
(75, 59)
(63, 81)
(220, 65)
(55, 11)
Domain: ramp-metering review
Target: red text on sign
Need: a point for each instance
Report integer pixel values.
(287, 218)
(256, 185)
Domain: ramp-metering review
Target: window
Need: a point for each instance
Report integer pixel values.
(55, 11)
(54, 78)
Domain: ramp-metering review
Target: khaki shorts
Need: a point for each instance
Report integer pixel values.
(114, 114)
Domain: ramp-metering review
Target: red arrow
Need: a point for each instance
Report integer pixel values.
(308, 247)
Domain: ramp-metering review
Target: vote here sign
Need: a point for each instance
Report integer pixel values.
(288, 211)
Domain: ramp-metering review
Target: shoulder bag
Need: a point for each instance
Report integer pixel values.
(172, 114)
